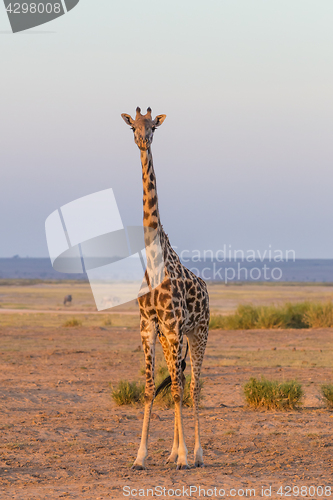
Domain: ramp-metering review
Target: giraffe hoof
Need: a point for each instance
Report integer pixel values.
(172, 459)
(138, 467)
(182, 467)
(199, 464)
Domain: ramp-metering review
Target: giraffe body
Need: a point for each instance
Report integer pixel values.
(175, 309)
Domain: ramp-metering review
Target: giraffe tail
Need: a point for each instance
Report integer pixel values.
(167, 382)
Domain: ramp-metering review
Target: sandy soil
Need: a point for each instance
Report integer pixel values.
(63, 437)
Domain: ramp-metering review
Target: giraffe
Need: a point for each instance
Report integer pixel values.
(177, 307)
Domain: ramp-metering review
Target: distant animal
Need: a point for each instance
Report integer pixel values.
(68, 299)
(176, 308)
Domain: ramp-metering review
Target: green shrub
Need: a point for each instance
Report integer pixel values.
(217, 322)
(298, 315)
(319, 315)
(107, 322)
(72, 322)
(294, 315)
(246, 317)
(327, 393)
(273, 395)
(127, 393)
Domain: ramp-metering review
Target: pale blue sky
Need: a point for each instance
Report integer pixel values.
(245, 154)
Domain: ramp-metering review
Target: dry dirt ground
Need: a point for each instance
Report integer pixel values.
(62, 436)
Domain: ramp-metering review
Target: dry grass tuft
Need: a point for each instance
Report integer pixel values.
(327, 394)
(107, 322)
(128, 393)
(73, 322)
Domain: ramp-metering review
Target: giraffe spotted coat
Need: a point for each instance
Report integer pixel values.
(177, 307)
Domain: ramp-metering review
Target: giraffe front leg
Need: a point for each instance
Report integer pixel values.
(174, 452)
(182, 450)
(139, 463)
(149, 349)
(168, 358)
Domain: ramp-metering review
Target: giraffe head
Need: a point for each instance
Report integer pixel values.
(143, 127)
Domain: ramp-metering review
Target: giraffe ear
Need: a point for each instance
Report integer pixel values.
(159, 120)
(128, 119)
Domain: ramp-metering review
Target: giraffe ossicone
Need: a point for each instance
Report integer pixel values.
(177, 308)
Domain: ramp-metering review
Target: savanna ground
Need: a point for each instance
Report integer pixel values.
(62, 436)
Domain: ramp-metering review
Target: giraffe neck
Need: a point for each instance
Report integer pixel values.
(151, 215)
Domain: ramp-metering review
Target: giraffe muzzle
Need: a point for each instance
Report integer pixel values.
(143, 145)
